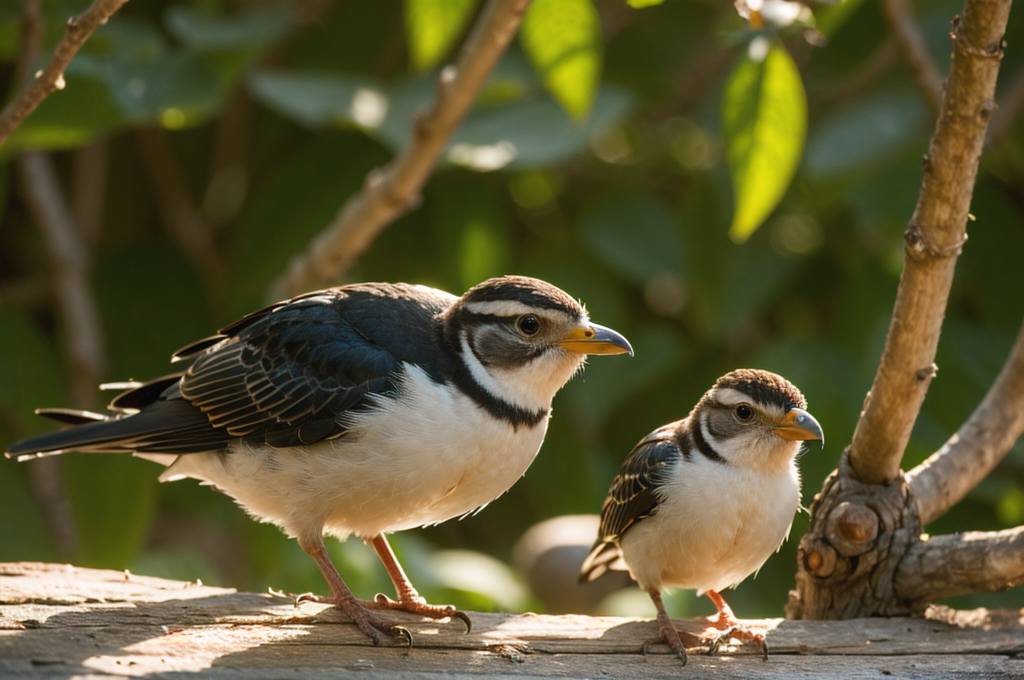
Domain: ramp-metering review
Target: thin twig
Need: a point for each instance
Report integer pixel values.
(982, 441)
(31, 39)
(961, 564)
(181, 217)
(51, 78)
(393, 190)
(933, 241)
(905, 29)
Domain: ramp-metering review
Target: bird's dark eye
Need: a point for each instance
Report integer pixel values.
(744, 412)
(528, 325)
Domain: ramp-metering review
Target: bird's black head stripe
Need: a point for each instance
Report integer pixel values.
(531, 292)
(703, 445)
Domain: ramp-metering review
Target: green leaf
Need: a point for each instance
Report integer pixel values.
(432, 26)
(563, 40)
(250, 30)
(764, 121)
(637, 4)
(319, 99)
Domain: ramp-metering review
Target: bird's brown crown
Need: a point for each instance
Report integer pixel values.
(763, 387)
(529, 291)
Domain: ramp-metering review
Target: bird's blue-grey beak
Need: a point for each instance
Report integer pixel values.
(595, 339)
(799, 425)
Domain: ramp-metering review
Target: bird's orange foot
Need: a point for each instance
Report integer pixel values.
(374, 626)
(417, 605)
(714, 637)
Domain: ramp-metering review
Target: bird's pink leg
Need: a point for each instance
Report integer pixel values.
(725, 626)
(371, 623)
(408, 599)
(667, 632)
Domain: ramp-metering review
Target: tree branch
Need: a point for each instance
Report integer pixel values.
(960, 564)
(912, 46)
(934, 239)
(982, 441)
(51, 78)
(390, 192)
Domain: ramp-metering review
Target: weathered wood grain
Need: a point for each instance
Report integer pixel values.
(58, 621)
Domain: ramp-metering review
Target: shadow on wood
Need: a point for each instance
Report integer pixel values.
(60, 621)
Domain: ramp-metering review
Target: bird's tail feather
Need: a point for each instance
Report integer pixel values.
(172, 426)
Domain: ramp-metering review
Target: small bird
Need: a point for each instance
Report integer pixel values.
(703, 502)
(363, 409)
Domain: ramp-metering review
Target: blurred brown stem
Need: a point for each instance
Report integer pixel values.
(51, 78)
(180, 215)
(933, 241)
(905, 29)
(392, 191)
(79, 316)
(982, 441)
(89, 188)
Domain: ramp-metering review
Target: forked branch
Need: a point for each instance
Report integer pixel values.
(982, 441)
(934, 238)
(393, 190)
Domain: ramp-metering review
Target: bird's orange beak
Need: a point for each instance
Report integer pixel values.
(595, 339)
(799, 425)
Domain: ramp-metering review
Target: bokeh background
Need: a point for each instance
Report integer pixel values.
(258, 119)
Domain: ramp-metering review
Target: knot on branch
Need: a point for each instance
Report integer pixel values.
(846, 562)
(962, 45)
(919, 248)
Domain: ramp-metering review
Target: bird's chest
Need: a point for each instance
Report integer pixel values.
(718, 525)
(428, 456)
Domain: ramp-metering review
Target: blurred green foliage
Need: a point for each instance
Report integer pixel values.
(276, 112)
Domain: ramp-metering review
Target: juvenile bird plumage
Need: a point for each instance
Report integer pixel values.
(702, 503)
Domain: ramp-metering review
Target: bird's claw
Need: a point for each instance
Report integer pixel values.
(313, 597)
(677, 646)
(418, 605)
(741, 633)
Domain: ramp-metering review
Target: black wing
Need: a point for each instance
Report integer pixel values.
(282, 375)
(631, 498)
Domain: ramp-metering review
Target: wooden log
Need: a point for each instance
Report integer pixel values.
(65, 621)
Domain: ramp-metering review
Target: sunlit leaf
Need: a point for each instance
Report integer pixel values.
(432, 26)
(563, 40)
(643, 3)
(764, 120)
(322, 99)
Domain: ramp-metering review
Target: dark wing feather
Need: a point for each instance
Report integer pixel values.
(284, 375)
(631, 498)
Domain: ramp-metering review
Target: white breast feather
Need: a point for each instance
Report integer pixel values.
(429, 455)
(717, 525)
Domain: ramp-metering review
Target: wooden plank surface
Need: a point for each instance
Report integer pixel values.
(58, 621)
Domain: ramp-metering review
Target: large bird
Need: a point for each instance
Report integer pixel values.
(703, 502)
(364, 409)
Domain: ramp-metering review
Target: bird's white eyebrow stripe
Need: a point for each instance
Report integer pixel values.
(727, 396)
(501, 308)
